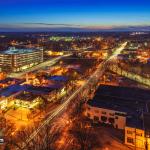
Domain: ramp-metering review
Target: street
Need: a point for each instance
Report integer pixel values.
(37, 67)
(95, 76)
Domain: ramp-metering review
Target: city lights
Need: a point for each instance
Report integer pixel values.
(74, 75)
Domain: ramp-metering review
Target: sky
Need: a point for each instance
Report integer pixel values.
(35, 15)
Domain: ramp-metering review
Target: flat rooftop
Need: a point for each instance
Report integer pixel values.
(128, 93)
(10, 90)
(116, 103)
(13, 50)
(39, 90)
(8, 80)
(25, 96)
(58, 78)
(131, 101)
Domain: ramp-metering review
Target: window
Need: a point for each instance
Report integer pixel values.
(116, 117)
(103, 112)
(89, 108)
(138, 134)
(96, 118)
(103, 118)
(129, 132)
(130, 140)
(111, 120)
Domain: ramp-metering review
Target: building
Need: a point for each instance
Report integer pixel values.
(28, 100)
(10, 81)
(123, 108)
(139, 137)
(16, 60)
(7, 95)
(102, 112)
(51, 93)
(29, 96)
(57, 38)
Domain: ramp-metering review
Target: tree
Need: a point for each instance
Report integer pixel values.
(44, 140)
(84, 135)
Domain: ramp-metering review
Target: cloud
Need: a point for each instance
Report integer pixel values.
(35, 27)
(53, 24)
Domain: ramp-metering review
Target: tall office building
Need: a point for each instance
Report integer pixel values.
(16, 60)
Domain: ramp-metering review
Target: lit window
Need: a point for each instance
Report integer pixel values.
(130, 140)
(129, 132)
(138, 134)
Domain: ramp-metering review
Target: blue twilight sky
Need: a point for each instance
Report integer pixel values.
(73, 14)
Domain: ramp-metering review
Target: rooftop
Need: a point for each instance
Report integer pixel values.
(26, 96)
(13, 50)
(39, 90)
(7, 80)
(129, 93)
(58, 78)
(115, 103)
(13, 89)
(131, 101)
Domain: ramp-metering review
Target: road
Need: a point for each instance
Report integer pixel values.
(37, 67)
(118, 51)
(95, 76)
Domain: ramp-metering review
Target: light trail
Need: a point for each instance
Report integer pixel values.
(39, 66)
(100, 70)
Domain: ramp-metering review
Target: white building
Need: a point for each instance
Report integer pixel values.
(112, 117)
(123, 108)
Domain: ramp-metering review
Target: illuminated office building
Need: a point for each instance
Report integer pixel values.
(16, 60)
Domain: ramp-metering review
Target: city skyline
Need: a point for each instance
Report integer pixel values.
(74, 75)
(65, 15)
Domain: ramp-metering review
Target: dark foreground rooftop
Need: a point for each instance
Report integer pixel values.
(131, 101)
(124, 92)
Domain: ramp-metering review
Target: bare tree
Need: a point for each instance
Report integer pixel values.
(45, 140)
(84, 135)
